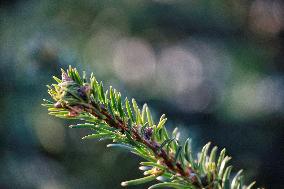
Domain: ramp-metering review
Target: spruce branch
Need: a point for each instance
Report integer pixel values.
(171, 163)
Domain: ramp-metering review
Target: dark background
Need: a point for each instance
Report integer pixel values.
(214, 67)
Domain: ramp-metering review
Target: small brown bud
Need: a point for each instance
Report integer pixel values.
(84, 91)
(192, 177)
(148, 133)
(72, 113)
(65, 77)
(75, 110)
(57, 105)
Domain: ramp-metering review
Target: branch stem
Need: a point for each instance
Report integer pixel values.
(174, 166)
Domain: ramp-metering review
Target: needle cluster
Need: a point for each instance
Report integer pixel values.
(108, 116)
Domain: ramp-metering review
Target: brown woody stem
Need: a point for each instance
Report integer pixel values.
(160, 153)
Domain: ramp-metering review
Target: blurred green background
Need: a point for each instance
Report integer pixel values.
(214, 67)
